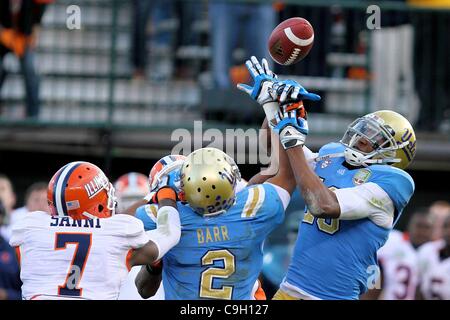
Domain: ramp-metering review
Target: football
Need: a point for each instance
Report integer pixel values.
(291, 41)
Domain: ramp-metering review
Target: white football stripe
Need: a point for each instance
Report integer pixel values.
(58, 196)
(296, 40)
(132, 180)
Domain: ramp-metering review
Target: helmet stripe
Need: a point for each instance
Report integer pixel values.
(132, 180)
(54, 187)
(61, 206)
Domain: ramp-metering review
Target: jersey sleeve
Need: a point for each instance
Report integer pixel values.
(366, 201)
(29, 221)
(264, 203)
(132, 230)
(398, 185)
(147, 214)
(18, 233)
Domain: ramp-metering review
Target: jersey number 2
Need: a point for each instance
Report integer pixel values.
(83, 242)
(206, 281)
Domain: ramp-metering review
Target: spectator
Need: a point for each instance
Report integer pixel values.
(439, 211)
(432, 67)
(35, 200)
(10, 283)
(255, 21)
(159, 11)
(18, 33)
(8, 198)
(419, 227)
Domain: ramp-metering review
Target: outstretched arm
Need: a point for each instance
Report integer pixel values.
(321, 201)
(264, 144)
(165, 236)
(279, 171)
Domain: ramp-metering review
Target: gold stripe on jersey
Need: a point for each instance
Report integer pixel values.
(255, 200)
(281, 295)
(152, 211)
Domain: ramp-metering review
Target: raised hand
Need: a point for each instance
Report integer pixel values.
(263, 78)
(288, 91)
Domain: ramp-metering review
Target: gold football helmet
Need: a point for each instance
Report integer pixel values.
(390, 134)
(208, 181)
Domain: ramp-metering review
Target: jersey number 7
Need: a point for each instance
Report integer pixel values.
(83, 242)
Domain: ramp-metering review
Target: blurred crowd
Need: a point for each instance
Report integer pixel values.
(427, 226)
(402, 70)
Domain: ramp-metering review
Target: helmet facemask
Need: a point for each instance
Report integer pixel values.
(380, 137)
(112, 199)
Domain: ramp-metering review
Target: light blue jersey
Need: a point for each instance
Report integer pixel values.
(333, 259)
(219, 257)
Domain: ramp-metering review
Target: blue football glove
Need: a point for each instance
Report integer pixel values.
(263, 78)
(291, 127)
(288, 91)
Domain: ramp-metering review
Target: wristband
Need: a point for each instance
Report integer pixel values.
(165, 193)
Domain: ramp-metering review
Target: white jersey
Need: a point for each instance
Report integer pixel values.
(434, 271)
(83, 259)
(398, 260)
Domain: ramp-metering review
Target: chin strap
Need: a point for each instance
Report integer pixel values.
(88, 215)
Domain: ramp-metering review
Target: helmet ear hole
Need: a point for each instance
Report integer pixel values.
(100, 208)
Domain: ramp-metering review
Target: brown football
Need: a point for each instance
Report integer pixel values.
(291, 41)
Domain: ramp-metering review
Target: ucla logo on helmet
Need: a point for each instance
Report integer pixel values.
(410, 149)
(230, 177)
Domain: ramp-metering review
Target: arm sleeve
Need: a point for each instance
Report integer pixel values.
(168, 232)
(18, 233)
(366, 201)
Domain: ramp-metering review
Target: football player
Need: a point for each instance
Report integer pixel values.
(434, 266)
(83, 250)
(164, 168)
(439, 211)
(355, 190)
(130, 187)
(219, 255)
